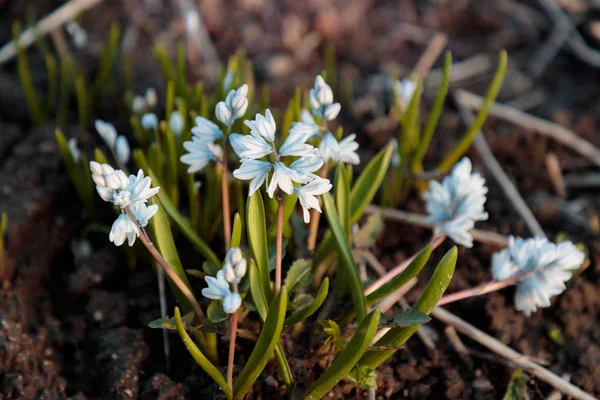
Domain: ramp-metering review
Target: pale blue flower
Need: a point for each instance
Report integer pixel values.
(306, 195)
(344, 150)
(283, 177)
(177, 123)
(113, 185)
(234, 106)
(405, 90)
(321, 100)
(254, 170)
(200, 153)
(542, 267)
(218, 289)
(107, 132)
(122, 149)
(295, 144)
(125, 229)
(206, 131)
(149, 121)
(74, 150)
(263, 126)
(457, 203)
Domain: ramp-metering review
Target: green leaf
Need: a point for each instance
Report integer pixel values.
(433, 293)
(260, 301)
(468, 137)
(301, 301)
(342, 197)
(257, 239)
(355, 285)
(370, 231)
(411, 271)
(369, 181)
(364, 377)
(200, 358)
(215, 311)
(236, 235)
(265, 345)
(182, 223)
(188, 323)
(517, 388)
(434, 115)
(408, 317)
(347, 358)
(557, 336)
(273, 253)
(331, 329)
(24, 72)
(108, 55)
(410, 124)
(309, 310)
(298, 276)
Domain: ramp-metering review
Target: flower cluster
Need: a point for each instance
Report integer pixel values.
(130, 192)
(321, 100)
(457, 203)
(234, 107)
(542, 268)
(117, 144)
(261, 143)
(232, 273)
(202, 149)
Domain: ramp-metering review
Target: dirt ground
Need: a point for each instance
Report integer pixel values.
(74, 325)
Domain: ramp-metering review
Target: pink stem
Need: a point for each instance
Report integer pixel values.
(478, 290)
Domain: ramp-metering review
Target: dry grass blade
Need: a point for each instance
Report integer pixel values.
(513, 356)
(495, 168)
(550, 129)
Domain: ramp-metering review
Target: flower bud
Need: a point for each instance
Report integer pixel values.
(122, 149)
(223, 113)
(332, 111)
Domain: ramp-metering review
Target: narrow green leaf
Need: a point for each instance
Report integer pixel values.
(435, 290)
(108, 56)
(342, 198)
(434, 115)
(310, 309)
(182, 223)
(265, 345)
(189, 322)
(172, 163)
(468, 137)
(165, 63)
(298, 276)
(517, 388)
(257, 238)
(200, 358)
(347, 358)
(82, 101)
(355, 285)
(236, 235)
(411, 271)
(24, 72)
(409, 136)
(369, 181)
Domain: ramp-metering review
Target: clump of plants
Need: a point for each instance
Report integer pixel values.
(247, 185)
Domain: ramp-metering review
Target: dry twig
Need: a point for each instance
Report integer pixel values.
(53, 21)
(546, 128)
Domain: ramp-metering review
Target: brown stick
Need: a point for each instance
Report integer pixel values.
(513, 356)
(232, 335)
(478, 290)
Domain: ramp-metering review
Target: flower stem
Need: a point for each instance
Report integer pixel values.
(165, 265)
(232, 336)
(225, 195)
(435, 242)
(315, 217)
(478, 290)
(279, 244)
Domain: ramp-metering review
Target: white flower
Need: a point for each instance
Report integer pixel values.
(206, 130)
(321, 100)
(345, 150)
(125, 229)
(543, 266)
(306, 195)
(254, 170)
(218, 289)
(149, 121)
(405, 89)
(176, 123)
(307, 165)
(263, 126)
(151, 97)
(251, 147)
(235, 266)
(78, 34)
(295, 143)
(457, 203)
(200, 153)
(122, 149)
(227, 81)
(139, 104)
(283, 177)
(107, 132)
(114, 186)
(75, 153)
(234, 106)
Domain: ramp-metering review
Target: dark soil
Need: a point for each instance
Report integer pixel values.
(74, 325)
